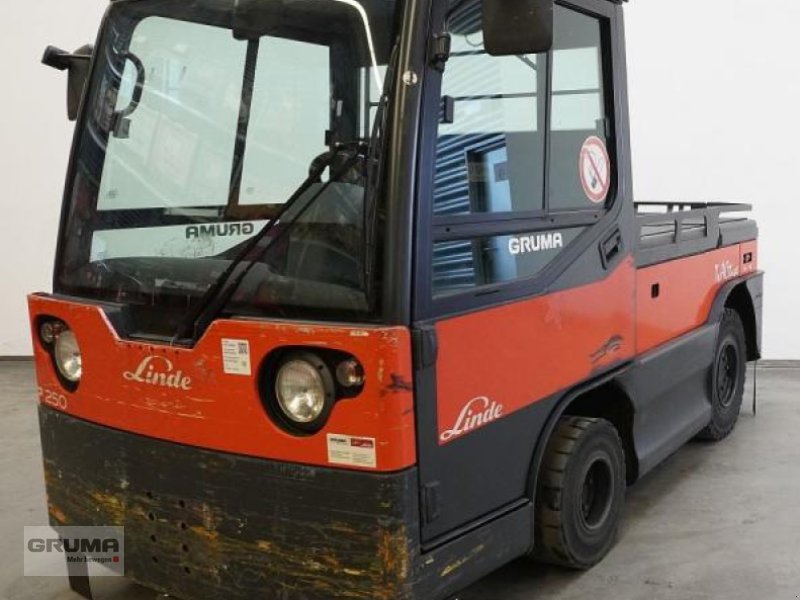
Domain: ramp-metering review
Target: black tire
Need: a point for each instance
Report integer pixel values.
(727, 378)
(581, 493)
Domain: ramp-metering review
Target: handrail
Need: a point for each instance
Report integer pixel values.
(677, 213)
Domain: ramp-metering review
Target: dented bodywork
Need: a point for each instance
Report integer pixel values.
(190, 396)
(201, 524)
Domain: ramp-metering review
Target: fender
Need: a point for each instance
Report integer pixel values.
(745, 294)
(550, 425)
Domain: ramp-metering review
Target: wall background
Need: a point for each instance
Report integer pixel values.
(714, 95)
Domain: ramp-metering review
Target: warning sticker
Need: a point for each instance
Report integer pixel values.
(595, 169)
(236, 357)
(352, 451)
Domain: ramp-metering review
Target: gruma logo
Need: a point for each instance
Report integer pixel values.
(159, 371)
(95, 551)
(476, 413)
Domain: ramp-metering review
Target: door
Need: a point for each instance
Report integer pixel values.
(524, 275)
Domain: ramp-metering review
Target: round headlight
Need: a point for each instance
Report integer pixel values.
(301, 391)
(67, 355)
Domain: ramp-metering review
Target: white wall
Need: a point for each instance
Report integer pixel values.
(714, 91)
(715, 111)
(34, 146)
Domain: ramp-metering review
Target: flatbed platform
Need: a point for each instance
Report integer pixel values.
(670, 230)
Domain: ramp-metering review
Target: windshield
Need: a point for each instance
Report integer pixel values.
(203, 119)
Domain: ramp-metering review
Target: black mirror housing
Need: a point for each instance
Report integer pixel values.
(77, 64)
(514, 27)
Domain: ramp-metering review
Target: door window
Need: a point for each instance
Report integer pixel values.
(490, 158)
(512, 154)
(578, 106)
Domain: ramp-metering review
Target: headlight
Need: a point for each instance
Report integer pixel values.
(303, 390)
(67, 355)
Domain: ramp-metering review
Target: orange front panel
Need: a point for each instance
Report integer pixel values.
(497, 361)
(196, 403)
(686, 288)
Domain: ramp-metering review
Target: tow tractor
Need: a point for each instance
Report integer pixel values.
(352, 298)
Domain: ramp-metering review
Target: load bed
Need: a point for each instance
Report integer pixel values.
(670, 230)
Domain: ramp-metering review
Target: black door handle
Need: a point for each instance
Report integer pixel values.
(612, 248)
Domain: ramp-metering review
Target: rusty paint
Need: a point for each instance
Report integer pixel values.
(111, 504)
(58, 514)
(454, 566)
(222, 509)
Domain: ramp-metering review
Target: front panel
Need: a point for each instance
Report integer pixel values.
(208, 396)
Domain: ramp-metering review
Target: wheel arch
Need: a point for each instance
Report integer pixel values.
(603, 398)
(745, 297)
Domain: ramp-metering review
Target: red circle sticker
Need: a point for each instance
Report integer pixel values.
(595, 169)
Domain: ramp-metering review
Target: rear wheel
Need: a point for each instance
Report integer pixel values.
(580, 493)
(727, 378)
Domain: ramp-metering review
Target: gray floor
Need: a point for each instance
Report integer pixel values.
(714, 522)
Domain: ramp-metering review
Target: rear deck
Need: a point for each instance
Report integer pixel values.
(670, 230)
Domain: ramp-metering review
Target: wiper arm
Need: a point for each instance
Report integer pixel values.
(218, 294)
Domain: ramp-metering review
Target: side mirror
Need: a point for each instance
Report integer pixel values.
(513, 27)
(77, 64)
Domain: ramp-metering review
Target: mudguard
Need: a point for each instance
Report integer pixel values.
(746, 295)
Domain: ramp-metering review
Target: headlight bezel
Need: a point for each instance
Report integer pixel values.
(276, 405)
(49, 329)
(326, 362)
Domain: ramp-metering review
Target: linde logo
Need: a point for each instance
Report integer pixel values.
(476, 413)
(159, 371)
(535, 243)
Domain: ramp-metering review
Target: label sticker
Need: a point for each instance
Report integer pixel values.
(236, 357)
(595, 169)
(352, 451)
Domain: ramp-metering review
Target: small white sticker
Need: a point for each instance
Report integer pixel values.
(236, 357)
(352, 451)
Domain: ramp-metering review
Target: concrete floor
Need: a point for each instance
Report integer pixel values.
(714, 522)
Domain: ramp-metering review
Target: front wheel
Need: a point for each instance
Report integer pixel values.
(727, 378)
(580, 493)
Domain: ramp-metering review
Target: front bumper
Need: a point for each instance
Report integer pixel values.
(201, 524)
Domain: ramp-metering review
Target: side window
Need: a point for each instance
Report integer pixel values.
(491, 179)
(490, 159)
(578, 110)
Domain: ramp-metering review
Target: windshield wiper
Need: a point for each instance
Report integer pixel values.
(217, 295)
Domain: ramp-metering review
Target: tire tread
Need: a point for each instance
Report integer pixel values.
(550, 545)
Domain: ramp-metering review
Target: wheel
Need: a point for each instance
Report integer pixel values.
(727, 378)
(580, 494)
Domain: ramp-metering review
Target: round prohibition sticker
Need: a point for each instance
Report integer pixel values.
(595, 169)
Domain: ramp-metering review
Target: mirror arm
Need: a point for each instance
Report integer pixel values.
(440, 51)
(56, 58)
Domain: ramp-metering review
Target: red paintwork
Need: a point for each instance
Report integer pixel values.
(523, 352)
(751, 249)
(688, 287)
(495, 361)
(224, 412)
